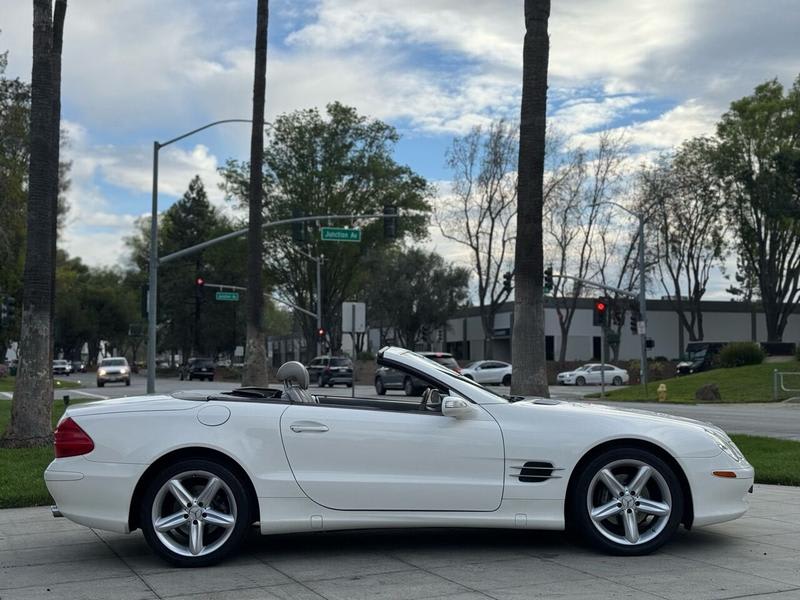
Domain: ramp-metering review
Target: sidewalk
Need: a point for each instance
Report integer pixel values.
(758, 556)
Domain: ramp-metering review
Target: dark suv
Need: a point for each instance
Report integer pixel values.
(330, 370)
(387, 378)
(198, 368)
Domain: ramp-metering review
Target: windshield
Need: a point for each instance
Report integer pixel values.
(443, 369)
(114, 362)
(473, 364)
(340, 362)
(694, 355)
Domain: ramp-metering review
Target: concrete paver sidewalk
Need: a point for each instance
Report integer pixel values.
(756, 556)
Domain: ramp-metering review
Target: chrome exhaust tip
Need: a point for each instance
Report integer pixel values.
(54, 510)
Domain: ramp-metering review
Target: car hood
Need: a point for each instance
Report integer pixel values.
(134, 404)
(656, 418)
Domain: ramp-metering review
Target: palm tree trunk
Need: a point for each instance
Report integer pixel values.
(528, 347)
(31, 409)
(255, 366)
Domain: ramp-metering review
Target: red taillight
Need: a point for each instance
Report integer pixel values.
(71, 440)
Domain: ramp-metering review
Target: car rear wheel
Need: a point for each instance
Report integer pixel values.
(100, 383)
(320, 381)
(194, 513)
(617, 380)
(580, 381)
(408, 386)
(626, 501)
(507, 380)
(127, 382)
(380, 388)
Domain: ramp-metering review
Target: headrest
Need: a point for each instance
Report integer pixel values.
(293, 372)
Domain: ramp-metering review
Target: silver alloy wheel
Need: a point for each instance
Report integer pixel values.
(194, 513)
(629, 502)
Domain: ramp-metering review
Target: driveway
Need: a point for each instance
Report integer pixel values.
(757, 556)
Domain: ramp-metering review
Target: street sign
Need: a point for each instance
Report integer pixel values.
(354, 317)
(641, 328)
(340, 234)
(227, 296)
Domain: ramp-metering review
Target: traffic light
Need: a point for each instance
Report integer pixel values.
(650, 343)
(390, 222)
(635, 317)
(199, 287)
(321, 333)
(298, 228)
(548, 280)
(508, 276)
(600, 311)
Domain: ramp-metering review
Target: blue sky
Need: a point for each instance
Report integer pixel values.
(141, 70)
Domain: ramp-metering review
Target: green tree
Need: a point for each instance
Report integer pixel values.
(527, 342)
(759, 160)
(425, 292)
(338, 164)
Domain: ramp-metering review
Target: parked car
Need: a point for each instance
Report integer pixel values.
(198, 368)
(330, 370)
(488, 371)
(699, 356)
(591, 374)
(387, 378)
(62, 367)
(113, 370)
(195, 470)
(78, 367)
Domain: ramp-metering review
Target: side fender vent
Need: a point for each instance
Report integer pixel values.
(534, 472)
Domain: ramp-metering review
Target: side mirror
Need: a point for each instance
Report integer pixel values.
(456, 407)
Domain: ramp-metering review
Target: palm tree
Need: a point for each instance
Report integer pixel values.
(255, 366)
(527, 350)
(31, 410)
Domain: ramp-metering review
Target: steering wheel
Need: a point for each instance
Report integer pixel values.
(431, 400)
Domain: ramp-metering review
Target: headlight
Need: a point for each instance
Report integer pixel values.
(726, 445)
(123, 370)
(101, 372)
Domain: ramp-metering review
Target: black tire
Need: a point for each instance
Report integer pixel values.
(617, 381)
(507, 380)
(579, 520)
(380, 388)
(101, 383)
(408, 386)
(320, 381)
(580, 381)
(349, 385)
(181, 376)
(127, 382)
(243, 513)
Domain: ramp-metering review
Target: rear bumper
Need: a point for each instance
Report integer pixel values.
(91, 493)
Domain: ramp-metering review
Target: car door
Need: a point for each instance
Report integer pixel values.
(593, 376)
(370, 459)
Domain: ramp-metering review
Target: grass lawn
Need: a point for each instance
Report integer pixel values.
(21, 482)
(775, 461)
(740, 384)
(7, 384)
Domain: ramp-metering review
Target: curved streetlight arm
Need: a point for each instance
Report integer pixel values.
(199, 129)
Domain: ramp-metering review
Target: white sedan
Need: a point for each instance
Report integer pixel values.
(593, 374)
(488, 371)
(195, 470)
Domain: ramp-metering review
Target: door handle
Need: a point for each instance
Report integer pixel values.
(308, 427)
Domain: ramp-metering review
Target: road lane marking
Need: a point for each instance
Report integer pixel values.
(88, 394)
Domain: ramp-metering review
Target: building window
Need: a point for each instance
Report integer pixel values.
(596, 344)
(549, 347)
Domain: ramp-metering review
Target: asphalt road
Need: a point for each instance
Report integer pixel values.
(779, 420)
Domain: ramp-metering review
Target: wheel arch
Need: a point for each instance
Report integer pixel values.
(192, 452)
(688, 506)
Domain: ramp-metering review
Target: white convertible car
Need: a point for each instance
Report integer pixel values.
(194, 470)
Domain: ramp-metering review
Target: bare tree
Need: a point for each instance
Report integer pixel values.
(688, 203)
(481, 213)
(579, 220)
(31, 410)
(255, 364)
(527, 342)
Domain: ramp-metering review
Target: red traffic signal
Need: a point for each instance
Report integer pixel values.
(321, 332)
(599, 305)
(200, 282)
(599, 313)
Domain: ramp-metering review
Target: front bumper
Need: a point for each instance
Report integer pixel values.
(112, 377)
(718, 499)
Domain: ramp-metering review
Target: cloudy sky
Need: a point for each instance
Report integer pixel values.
(141, 70)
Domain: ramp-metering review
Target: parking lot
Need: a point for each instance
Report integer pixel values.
(757, 556)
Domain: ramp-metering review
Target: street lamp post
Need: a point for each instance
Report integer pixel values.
(152, 294)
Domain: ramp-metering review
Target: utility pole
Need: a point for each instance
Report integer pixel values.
(642, 305)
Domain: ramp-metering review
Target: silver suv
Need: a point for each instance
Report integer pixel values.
(114, 369)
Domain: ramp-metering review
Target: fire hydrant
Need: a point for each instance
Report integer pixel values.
(662, 393)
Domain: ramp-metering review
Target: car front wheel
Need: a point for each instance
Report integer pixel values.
(194, 513)
(626, 501)
(380, 388)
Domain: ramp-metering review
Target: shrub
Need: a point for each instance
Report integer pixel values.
(737, 354)
(365, 355)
